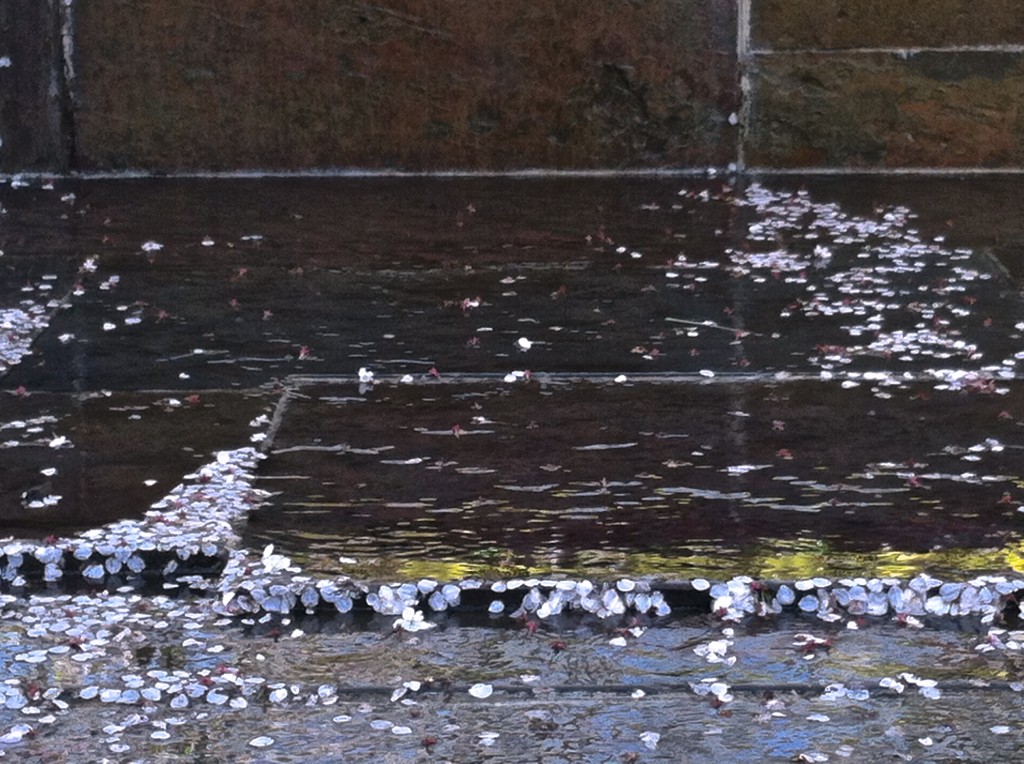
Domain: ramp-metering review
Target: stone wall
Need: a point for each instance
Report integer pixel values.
(34, 129)
(886, 83)
(166, 85)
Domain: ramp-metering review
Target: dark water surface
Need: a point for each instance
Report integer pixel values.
(782, 478)
(821, 375)
(600, 378)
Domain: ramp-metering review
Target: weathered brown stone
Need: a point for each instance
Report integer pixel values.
(794, 24)
(31, 87)
(408, 84)
(980, 213)
(880, 110)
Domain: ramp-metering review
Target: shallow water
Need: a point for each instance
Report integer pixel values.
(859, 414)
(597, 378)
(648, 478)
(353, 693)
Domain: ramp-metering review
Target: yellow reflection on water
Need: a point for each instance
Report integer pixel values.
(788, 559)
(770, 558)
(440, 570)
(765, 558)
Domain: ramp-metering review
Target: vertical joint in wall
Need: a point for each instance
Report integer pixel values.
(743, 62)
(68, 100)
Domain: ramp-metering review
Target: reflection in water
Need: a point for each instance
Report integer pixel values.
(900, 455)
(780, 479)
(905, 440)
(907, 433)
(771, 558)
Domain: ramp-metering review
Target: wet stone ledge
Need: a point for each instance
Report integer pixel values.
(271, 585)
(554, 475)
(190, 535)
(248, 592)
(192, 528)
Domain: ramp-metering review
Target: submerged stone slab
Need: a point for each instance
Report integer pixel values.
(777, 479)
(459, 276)
(979, 214)
(930, 109)
(603, 727)
(77, 462)
(360, 688)
(414, 86)
(795, 24)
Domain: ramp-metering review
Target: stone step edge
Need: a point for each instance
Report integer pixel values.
(190, 537)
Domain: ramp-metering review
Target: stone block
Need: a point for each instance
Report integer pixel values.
(880, 110)
(411, 84)
(31, 87)
(796, 24)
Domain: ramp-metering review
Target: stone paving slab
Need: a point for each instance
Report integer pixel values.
(375, 222)
(86, 460)
(469, 693)
(708, 280)
(643, 477)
